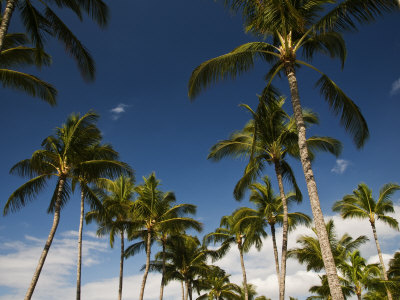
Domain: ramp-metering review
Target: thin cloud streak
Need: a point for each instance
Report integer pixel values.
(340, 166)
(395, 87)
(118, 110)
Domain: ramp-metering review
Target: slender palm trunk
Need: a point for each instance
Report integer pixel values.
(246, 293)
(329, 263)
(56, 220)
(186, 289)
(79, 268)
(121, 265)
(378, 247)
(5, 21)
(183, 291)
(359, 297)
(278, 171)
(163, 270)
(146, 271)
(275, 251)
(190, 291)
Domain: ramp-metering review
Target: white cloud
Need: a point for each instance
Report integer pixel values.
(395, 87)
(340, 166)
(19, 258)
(118, 110)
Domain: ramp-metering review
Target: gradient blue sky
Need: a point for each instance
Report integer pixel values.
(144, 60)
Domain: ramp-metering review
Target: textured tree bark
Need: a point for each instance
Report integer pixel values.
(282, 279)
(329, 263)
(121, 265)
(56, 220)
(163, 271)
(246, 293)
(146, 271)
(378, 247)
(5, 21)
(275, 252)
(79, 268)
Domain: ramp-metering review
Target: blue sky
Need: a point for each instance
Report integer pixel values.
(144, 60)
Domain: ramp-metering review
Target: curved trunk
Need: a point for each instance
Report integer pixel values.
(319, 223)
(378, 247)
(5, 21)
(56, 220)
(121, 265)
(163, 270)
(146, 271)
(275, 251)
(282, 279)
(79, 269)
(246, 294)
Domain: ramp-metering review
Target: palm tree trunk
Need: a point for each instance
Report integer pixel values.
(359, 297)
(163, 270)
(183, 291)
(121, 265)
(378, 247)
(327, 257)
(282, 279)
(78, 272)
(56, 220)
(246, 293)
(5, 21)
(186, 289)
(275, 251)
(146, 271)
(190, 291)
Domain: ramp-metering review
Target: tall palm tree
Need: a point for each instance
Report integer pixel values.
(362, 205)
(114, 215)
(153, 213)
(314, 27)
(269, 208)
(310, 252)
(235, 230)
(15, 53)
(41, 20)
(102, 158)
(61, 154)
(268, 139)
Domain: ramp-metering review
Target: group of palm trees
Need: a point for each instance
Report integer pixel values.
(77, 158)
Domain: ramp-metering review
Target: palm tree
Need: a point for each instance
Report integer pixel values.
(323, 292)
(60, 156)
(219, 287)
(152, 213)
(236, 230)
(185, 261)
(269, 208)
(362, 205)
(358, 273)
(315, 28)
(310, 251)
(268, 139)
(40, 21)
(114, 215)
(15, 53)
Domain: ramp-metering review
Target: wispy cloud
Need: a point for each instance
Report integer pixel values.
(118, 110)
(395, 87)
(340, 166)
